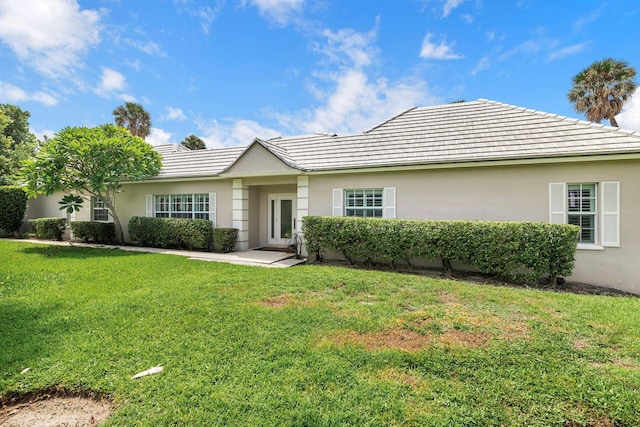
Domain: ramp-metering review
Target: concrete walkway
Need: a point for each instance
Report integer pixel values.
(255, 257)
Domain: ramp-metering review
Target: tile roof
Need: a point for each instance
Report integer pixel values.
(473, 131)
(170, 148)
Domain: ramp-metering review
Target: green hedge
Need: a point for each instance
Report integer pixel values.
(94, 231)
(225, 239)
(48, 228)
(513, 250)
(13, 204)
(172, 232)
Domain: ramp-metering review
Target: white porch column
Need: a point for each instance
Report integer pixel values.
(241, 214)
(302, 205)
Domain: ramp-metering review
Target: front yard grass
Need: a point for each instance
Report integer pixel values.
(310, 345)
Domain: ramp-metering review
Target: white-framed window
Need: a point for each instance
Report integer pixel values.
(581, 210)
(365, 202)
(593, 206)
(99, 211)
(195, 206)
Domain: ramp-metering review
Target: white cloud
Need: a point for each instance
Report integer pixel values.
(13, 94)
(159, 137)
(356, 103)
(40, 134)
(148, 47)
(127, 98)
(630, 116)
(349, 47)
(174, 114)
(437, 51)
(566, 51)
(111, 81)
(350, 98)
(51, 36)
(483, 65)
(233, 132)
(592, 17)
(279, 11)
(449, 5)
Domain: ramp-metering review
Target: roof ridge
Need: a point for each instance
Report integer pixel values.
(572, 120)
(389, 119)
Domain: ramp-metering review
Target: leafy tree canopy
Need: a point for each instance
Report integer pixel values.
(16, 142)
(134, 117)
(91, 162)
(601, 90)
(192, 142)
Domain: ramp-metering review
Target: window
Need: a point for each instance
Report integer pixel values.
(582, 210)
(372, 203)
(365, 203)
(99, 211)
(594, 207)
(194, 206)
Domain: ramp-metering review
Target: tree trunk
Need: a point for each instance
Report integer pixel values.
(116, 220)
(613, 122)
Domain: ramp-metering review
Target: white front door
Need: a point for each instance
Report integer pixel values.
(282, 219)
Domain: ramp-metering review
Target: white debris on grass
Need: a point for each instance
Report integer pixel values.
(155, 370)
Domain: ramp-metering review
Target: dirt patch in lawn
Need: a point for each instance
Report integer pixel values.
(411, 341)
(54, 408)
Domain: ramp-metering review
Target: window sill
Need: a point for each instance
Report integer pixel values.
(590, 247)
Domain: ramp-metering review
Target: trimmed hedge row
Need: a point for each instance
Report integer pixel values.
(94, 231)
(513, 250)
(48, 228)
(13, 204)
(171, 232)
(225, 239)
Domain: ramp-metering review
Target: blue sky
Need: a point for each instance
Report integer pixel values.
(232, 70)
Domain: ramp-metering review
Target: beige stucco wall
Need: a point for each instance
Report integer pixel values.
(474, 193)
(132, 201)
(507, 193)
(258, 159)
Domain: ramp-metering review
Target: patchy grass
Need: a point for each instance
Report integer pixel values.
(310, 345)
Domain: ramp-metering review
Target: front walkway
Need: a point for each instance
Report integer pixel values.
(253, 257)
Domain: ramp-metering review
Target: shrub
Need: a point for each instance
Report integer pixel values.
(13, 204)
(172, 232)
(94, 231)
(514, 250)
(225, 239)
(48, 228)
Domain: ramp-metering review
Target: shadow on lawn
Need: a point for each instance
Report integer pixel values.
(54, 251)
(29, 334)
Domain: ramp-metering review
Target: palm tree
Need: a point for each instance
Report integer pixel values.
(601, 90)
(133, 117)
(192, 142)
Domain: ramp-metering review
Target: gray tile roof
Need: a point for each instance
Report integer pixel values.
(474, 131)
(170, 148)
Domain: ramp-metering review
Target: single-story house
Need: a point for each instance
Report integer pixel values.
(479, 160)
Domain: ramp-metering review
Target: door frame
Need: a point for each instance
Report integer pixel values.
(274, 218)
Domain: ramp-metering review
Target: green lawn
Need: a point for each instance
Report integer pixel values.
(310, 345)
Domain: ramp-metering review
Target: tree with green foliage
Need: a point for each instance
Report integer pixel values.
(91, 162)
(134, 117)
(192, 142)
(17, 143)
(13, 204)
(601, 90)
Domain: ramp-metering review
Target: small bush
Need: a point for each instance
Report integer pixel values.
(94, 231)
(225, 239)
(172, 232)
(514, 250)
(48, 228)
(13, 204)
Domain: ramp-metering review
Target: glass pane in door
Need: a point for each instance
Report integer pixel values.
(286, 219)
